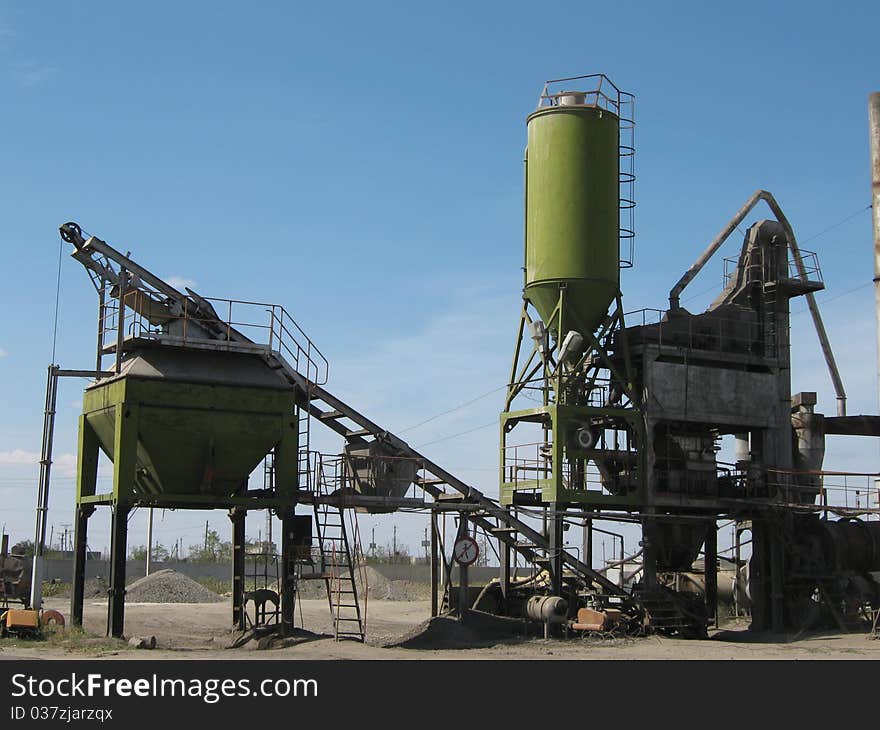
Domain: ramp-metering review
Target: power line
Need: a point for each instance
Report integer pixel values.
(838, 224)
(452, 410)
(456, 435)
(837, 296)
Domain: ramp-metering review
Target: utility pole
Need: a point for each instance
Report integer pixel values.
(206, 536)
(874, 125)
(394, 543)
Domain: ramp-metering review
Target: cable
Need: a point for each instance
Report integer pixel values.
(838, 224)
(837, 296)
(452, 410)
(57, 299)
(456, 435)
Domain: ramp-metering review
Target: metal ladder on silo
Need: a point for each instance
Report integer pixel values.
(337, 566)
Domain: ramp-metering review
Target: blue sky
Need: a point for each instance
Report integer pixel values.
(360, 163)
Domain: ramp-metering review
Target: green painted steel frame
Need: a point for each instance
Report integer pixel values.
(124, 397)
(557, 418)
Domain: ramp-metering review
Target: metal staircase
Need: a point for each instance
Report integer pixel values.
(482, 510)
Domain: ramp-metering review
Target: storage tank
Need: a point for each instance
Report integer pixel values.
(572, 183)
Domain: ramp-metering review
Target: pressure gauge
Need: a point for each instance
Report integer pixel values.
(465, 551)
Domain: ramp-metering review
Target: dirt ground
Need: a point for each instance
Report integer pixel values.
(201, 631)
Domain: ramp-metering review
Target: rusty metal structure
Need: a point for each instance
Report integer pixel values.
(620, 416)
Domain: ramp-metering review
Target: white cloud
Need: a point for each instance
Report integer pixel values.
(3, 353)
(18, 456)
(62, 464)
(180, 283)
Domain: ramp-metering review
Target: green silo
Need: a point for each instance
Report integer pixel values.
(572, 209)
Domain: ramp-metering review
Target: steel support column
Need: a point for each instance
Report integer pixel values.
(435, 566)
(237, 517)
(710, 572)
(288, 571)
(649, 554)
(556, 546)
(80, 543)
(504, 569)
(777, 583)
(118, 550)
(463, 583)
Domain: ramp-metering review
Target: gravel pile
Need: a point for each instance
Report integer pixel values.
(95, 587)
(168, 586)
(382, 589)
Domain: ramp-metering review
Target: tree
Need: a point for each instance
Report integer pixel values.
(25, 547)
(387, 555)
(213, 550)
(139, 552)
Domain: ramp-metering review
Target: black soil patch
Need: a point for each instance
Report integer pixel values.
(445, 632)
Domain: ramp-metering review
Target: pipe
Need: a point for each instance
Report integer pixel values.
(874, 125)
(722, 236)
(549, 609)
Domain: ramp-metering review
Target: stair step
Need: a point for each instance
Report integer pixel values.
(358, 433)
(330, 415)
(448, 496)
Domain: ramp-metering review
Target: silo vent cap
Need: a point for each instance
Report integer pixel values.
(571, 98)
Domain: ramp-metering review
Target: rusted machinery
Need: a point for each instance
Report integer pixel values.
(618, 416)
(15, 577)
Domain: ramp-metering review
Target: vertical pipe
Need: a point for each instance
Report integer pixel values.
(874, 120)
(737, 556)
(43, 487)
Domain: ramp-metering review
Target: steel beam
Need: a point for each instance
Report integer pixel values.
(80, 545)
(237, 517)
(118, 549)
